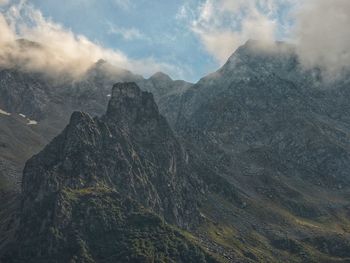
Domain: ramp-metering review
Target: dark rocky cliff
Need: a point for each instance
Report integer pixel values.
(50, 102)
(91, 191)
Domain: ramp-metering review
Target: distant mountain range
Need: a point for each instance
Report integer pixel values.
(250, 164)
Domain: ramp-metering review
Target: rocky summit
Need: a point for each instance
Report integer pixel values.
(48, 104)
(99, 190)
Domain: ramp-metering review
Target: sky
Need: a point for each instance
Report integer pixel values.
(185, 39)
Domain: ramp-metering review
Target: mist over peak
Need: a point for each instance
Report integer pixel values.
(161, 76)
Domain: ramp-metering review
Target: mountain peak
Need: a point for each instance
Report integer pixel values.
(260, 54)
(103, 70)
(251, 42)
(101, 62)
(129, 103)
(125, 89)
(258, 47)
(161, 76)
(261, 44)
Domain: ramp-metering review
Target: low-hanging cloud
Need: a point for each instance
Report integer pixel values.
(223, 25)
(4, 2)
(318, 28)
(57, 51)
(323, 36)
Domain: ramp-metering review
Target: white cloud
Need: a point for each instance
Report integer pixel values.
(61, 52)
(223, 25)
(4, 2)
(126, 33)
(322, 34)
(319, 28)
(7, 35)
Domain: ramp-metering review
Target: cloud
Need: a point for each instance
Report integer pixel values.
(60, 52)
(126, 33)
(322, 34)
(7, 36)
(4, 2)
(318, 28)
(224, 25)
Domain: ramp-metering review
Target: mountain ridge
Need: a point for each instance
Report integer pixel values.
(259, 152)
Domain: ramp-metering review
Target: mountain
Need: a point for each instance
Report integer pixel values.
(167, 92)
(265, 101)
(89, 195)
(18, 142)
(280, 135)
(47, 104)
(250, 164)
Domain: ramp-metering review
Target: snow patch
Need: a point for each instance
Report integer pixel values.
(32, 122)
(109, 95)
(4, 112)
(29, 121)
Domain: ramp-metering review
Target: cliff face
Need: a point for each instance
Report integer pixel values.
(101, 174)
(264, 105)
(130, 148)
(28, 96)
(280, 135)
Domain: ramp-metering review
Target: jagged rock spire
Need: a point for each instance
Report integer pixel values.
(129, 104)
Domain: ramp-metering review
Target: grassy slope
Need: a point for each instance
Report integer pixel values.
(242, 234)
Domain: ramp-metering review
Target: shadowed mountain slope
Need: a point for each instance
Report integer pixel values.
(88, 196)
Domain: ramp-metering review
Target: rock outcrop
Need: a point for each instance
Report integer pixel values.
(105, 182)
(51, 101)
